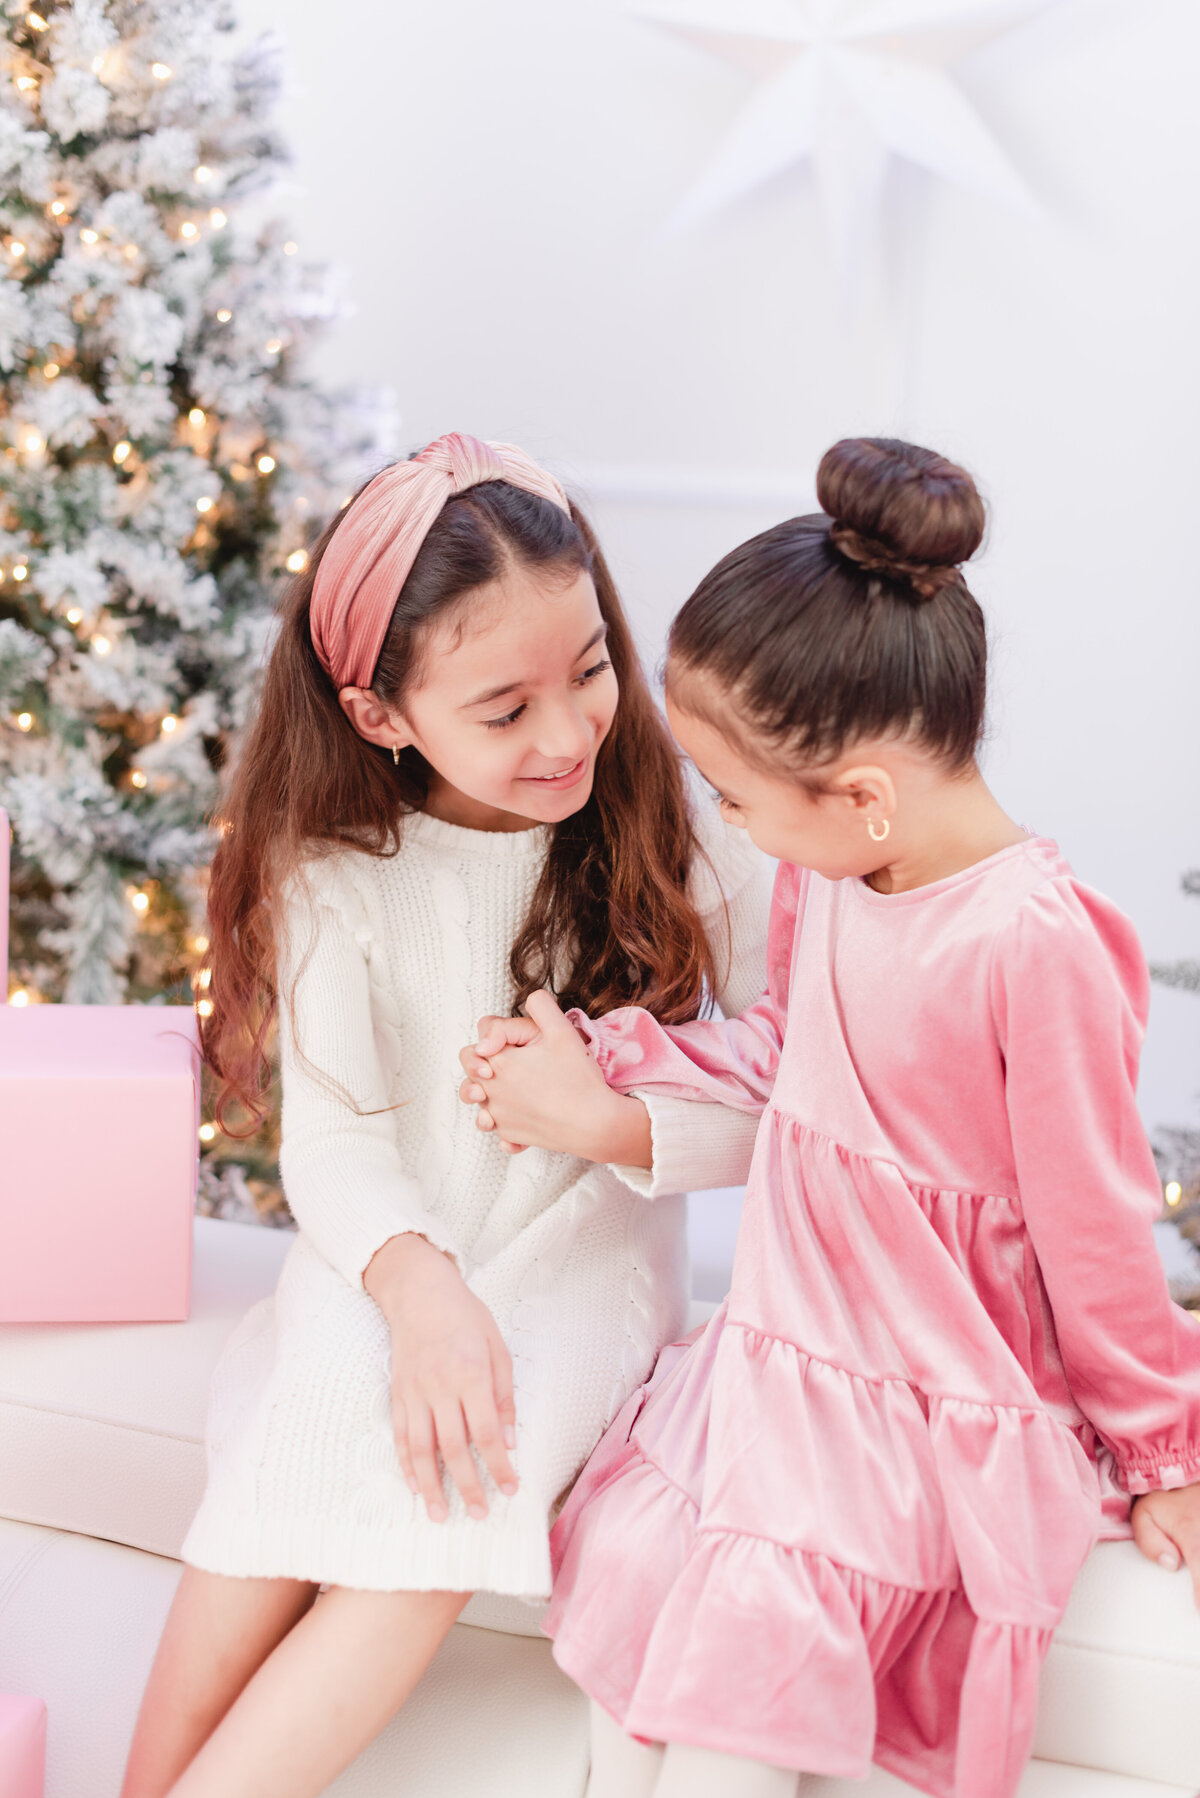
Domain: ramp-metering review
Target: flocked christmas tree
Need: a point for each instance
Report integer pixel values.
(163, 463)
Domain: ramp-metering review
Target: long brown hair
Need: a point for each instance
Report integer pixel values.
(610, 922)
(853, 622)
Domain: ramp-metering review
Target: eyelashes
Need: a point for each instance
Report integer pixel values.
(589, 674)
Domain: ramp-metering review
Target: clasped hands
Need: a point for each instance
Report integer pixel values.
(536, 1086)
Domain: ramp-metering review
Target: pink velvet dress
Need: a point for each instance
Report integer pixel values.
(841, 1522)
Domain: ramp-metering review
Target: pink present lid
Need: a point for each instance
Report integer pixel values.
(103, 1041)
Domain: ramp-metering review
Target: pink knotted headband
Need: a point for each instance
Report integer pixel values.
(371, 553)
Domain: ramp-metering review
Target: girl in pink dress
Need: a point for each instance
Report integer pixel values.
(841, 1522)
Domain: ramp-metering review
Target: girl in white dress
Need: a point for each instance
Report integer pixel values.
(456, 790)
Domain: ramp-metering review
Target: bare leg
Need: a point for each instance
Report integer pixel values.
(218, 1633)
(325, 1692)
(702, 1773)
(621, 1767)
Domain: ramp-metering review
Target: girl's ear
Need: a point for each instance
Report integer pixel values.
(869, 791)
(371, 719)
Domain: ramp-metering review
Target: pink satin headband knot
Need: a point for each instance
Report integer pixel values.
(372, 551)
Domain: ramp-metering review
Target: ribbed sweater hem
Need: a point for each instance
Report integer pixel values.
(435, 1558)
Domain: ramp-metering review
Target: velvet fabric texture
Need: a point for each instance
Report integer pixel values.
(842, 1521)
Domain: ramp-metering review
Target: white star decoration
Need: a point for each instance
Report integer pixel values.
(846, 84)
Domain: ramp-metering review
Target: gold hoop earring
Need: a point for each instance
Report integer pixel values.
(882, 835)
(396, 754)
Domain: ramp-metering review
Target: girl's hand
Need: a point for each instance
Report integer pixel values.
(452, 1380)
(494, 1034)
(1166, 1527)
(538, 1087)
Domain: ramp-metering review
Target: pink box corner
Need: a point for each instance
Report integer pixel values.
(22, 1746)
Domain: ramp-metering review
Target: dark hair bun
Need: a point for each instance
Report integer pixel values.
(900, 511)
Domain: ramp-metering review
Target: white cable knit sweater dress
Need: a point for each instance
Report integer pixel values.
(583, 1268)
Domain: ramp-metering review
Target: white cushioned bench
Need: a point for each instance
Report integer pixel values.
(102, 1464)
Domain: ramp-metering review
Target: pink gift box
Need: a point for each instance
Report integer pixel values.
(22, 1747)
(99, 1112)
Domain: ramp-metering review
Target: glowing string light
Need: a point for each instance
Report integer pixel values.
(207, 1131)
(266, 464)
(1174, 1192)
(24, 720)
(170, 723)
(297, 562)
(75, 615)
(18, 997)
(137, 779)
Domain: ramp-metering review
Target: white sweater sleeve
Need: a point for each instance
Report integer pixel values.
(694, 1145)
(342, 1174)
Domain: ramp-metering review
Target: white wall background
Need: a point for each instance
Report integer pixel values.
(495, 180)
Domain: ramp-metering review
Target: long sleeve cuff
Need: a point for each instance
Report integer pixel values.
(1165, 1472)
(359, 1246)
(695, 1145)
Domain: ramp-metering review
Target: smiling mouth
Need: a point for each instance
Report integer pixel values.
(565, 777)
